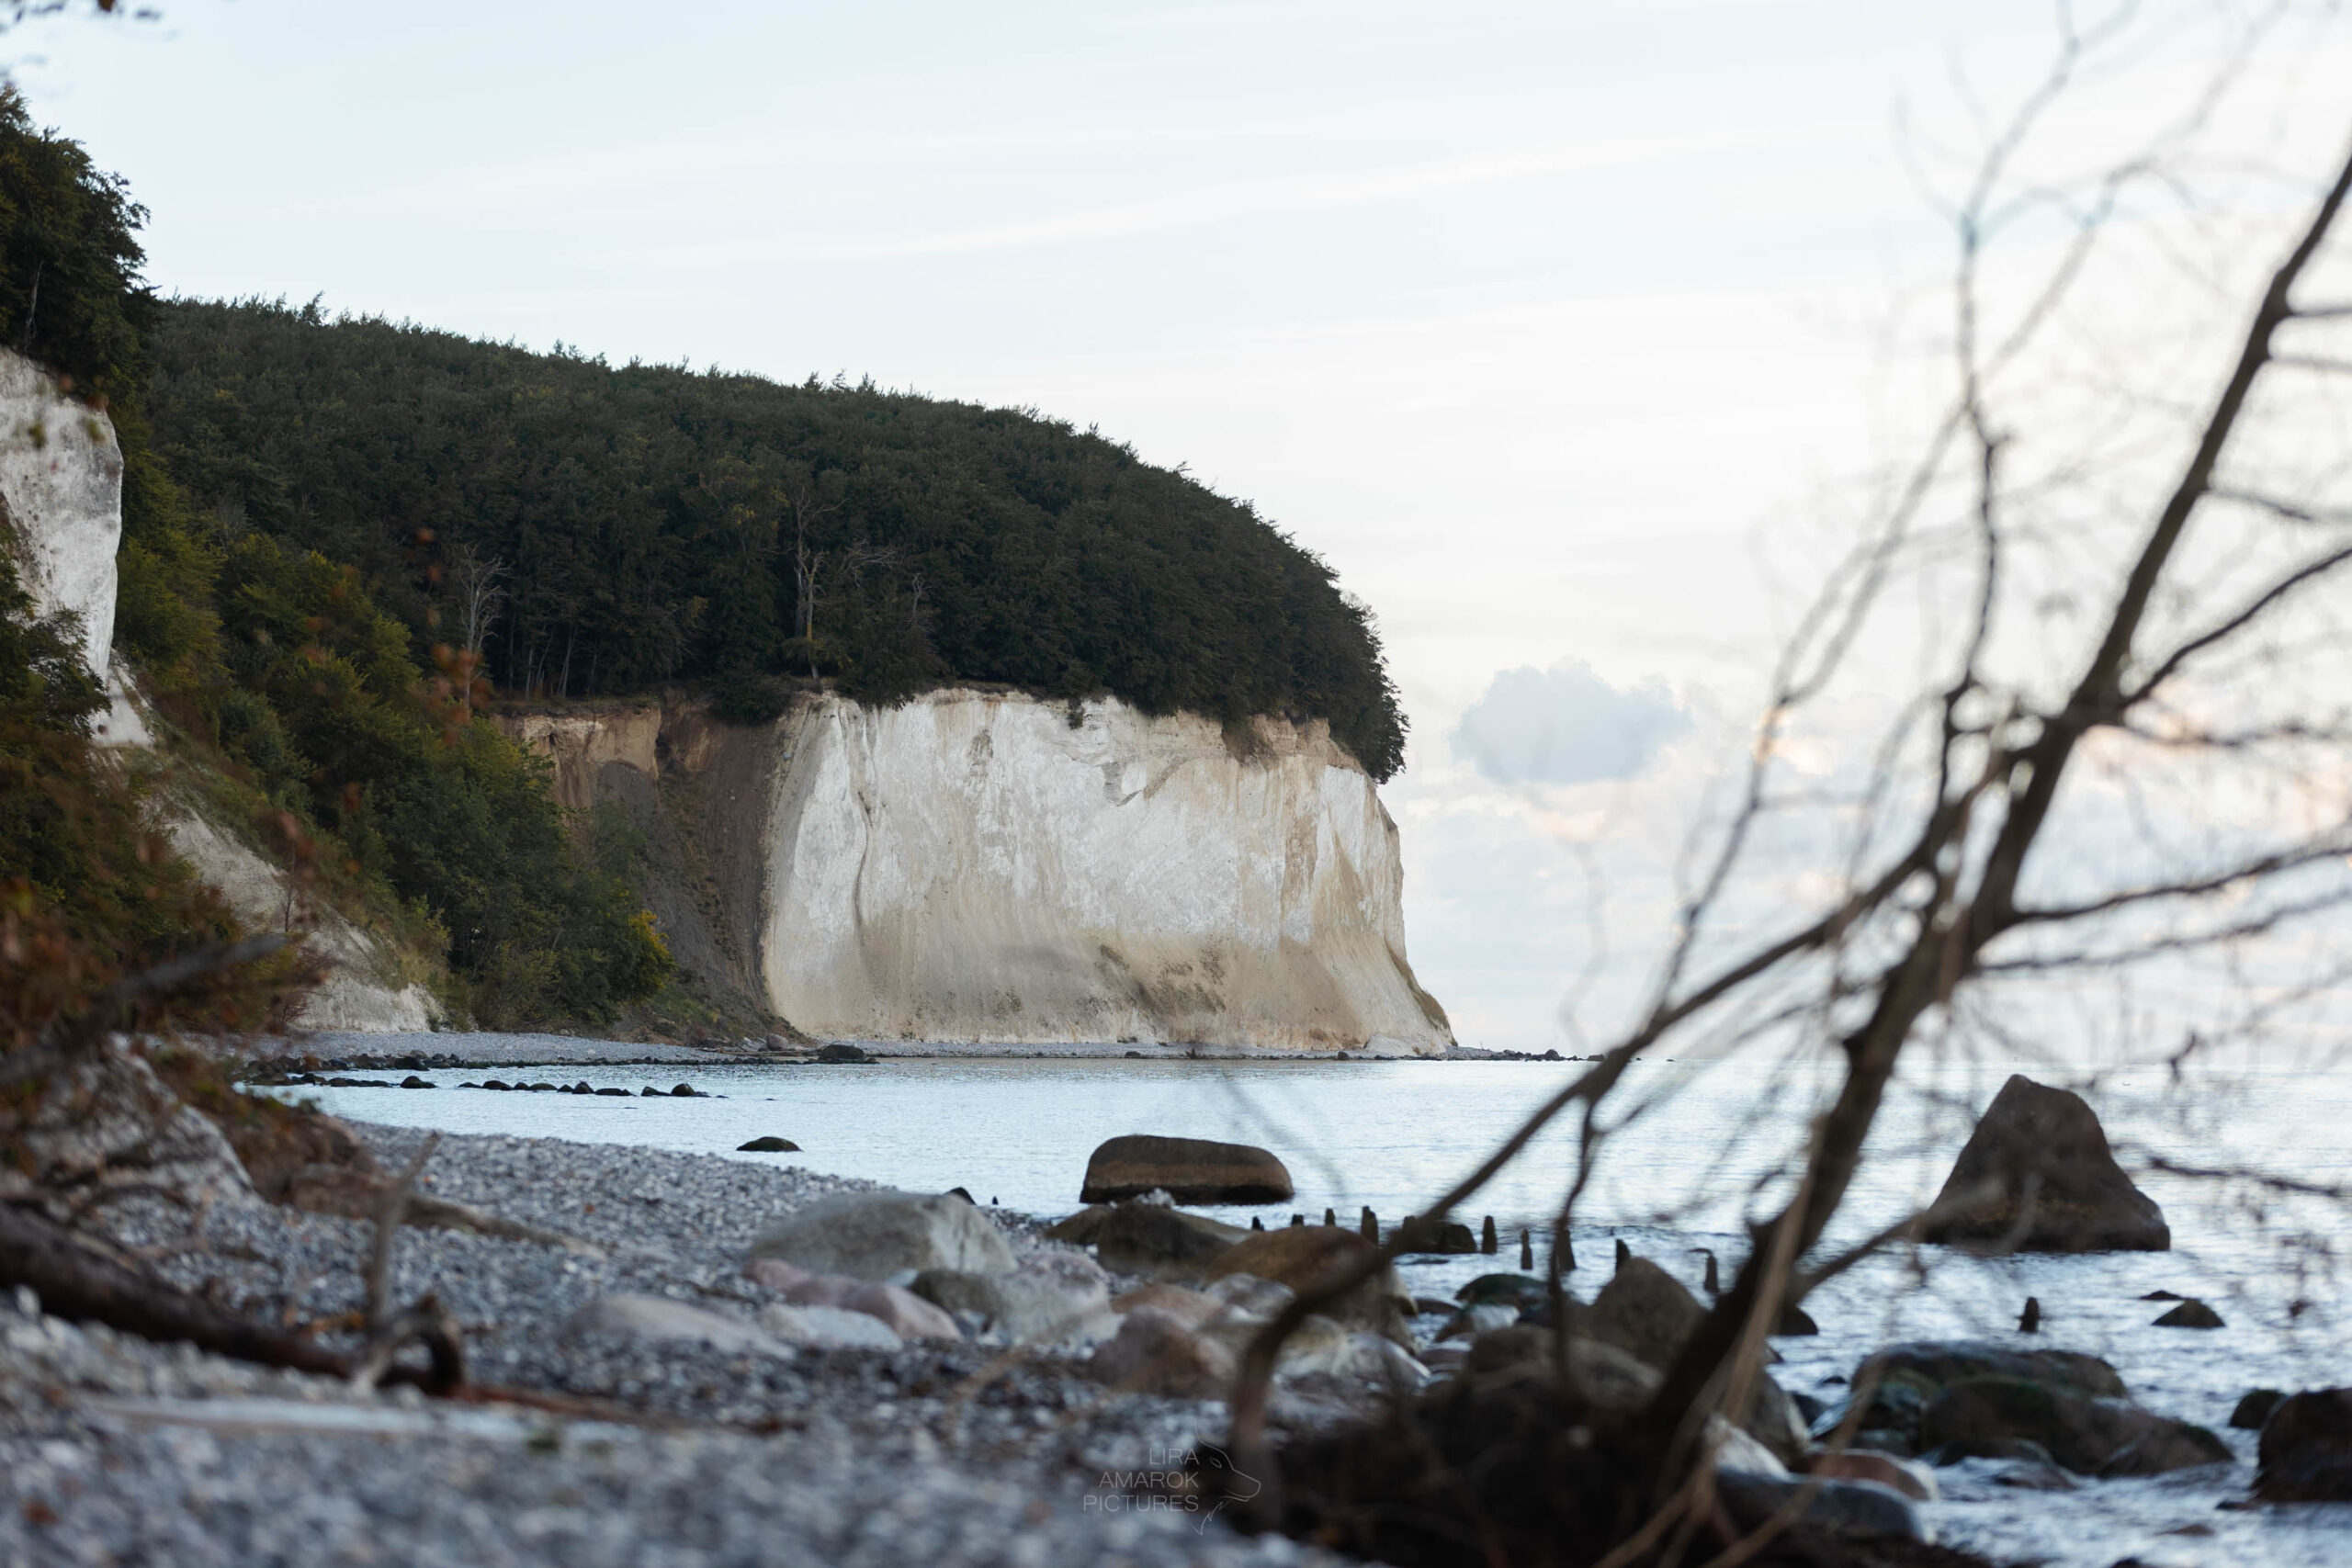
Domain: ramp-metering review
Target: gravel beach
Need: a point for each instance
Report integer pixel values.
(116, 1450)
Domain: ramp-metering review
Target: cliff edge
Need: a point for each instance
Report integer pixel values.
(983, 867)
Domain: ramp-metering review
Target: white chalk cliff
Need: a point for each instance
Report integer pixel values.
(974, 866)
(60, 481)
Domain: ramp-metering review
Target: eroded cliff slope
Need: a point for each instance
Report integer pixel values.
(980, 867)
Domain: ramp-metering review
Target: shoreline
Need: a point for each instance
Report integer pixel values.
(334, 1050)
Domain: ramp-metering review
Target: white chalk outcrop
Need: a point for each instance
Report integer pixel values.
(61, 480)
(363, 989)
(974, 867)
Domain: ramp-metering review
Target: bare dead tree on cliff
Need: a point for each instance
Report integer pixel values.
(809, 509)
(2214, 542)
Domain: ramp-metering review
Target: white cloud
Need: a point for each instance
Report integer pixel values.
(1567, 726)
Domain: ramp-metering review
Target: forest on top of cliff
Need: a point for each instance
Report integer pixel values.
(657, 523)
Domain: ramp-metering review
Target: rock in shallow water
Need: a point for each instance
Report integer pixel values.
(1190, 1171)
(2306, 1451)
(770, 1145)
(2048, 1140)
(2088, 1436)
(2255, 1408)
(2191, 1313)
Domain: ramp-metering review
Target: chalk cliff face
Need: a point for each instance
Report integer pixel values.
(61, 480)
(977, 867)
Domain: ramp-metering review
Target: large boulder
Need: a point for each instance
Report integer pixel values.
(1309, 1259)
(2305, 1455)
(1190, 1171)
(873, 1235)
(1988, 1416)
(1900, 1381)
(2045, 1142)
(1136, 1237)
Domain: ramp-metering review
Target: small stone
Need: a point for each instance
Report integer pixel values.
(622, 1093)
(2192, 1313)
(2254, 1409)
(686, 1091)
(771, 1144)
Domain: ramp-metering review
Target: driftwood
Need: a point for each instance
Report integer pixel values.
(78, 1281)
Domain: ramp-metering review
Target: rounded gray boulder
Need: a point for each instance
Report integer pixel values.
(874, 1235)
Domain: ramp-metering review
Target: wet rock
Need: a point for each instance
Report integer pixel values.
(1795, 1323)
(2088, 1435)
(873, 1235)
(1523, 1291)
(1137, 1237)
(2255, 1408)
(1190, 1171)
(413, 1081)
(848, 1055)
(1449, 1237)
(658, 1320)
(1899, 1382)
(1646, 1311)
(2191, 1313)
(2305, 1455)
(1153, 1353)
(620, 1093)
(2048, 1139)
(1305, 1258)
(686, 1091)
(1857, 1505)
(1914, 1480)
(770, 1145)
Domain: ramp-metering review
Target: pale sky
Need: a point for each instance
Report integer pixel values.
(1558, 329)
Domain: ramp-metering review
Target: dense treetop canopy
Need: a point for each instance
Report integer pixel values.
(657, 523)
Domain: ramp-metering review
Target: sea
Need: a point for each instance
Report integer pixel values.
(2241, 1158)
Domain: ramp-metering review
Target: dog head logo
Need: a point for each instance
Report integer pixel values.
(1220, 1480)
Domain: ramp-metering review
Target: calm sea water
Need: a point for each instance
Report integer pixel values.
(1692, 1150)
